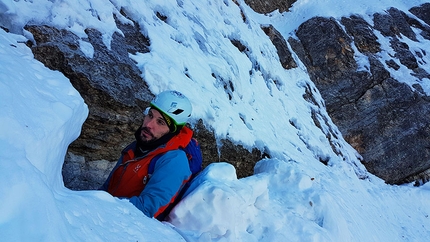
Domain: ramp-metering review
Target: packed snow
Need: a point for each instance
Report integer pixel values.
(291, 197)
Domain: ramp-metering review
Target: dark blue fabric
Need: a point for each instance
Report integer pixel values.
(170, 173)
(195, 161)
(194, 155)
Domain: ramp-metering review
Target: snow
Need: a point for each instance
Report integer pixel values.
(291, 197)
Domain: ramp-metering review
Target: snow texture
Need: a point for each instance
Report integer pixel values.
(245, 97)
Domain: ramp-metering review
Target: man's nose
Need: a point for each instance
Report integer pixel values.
(150, 124)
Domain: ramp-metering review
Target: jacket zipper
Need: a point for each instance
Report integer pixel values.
(124, 167)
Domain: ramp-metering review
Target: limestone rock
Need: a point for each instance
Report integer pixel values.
(111, 85)
(267, 6)
(383, 118)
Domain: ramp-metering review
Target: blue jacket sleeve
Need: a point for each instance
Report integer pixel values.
(170, 171)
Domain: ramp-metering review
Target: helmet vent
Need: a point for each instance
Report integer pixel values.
(178, 111)
(174, 104)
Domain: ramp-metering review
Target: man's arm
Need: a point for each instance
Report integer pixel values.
(170, 172)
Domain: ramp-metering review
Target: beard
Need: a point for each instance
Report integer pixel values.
(144, 135)
(145, 140)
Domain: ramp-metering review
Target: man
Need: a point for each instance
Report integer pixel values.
(162, 134)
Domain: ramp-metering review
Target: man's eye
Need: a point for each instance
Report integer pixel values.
(161, 122)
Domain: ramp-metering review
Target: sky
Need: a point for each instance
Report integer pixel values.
(291, 197)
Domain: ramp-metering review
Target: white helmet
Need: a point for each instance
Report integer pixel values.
(175, 105)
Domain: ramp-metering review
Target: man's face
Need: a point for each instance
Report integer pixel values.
(154, 126)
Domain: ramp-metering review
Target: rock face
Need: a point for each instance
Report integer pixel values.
(109, 82)
(384, 119)
(267, 6)
(115, 93)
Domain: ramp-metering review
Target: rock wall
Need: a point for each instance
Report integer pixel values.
(116, 95)
(267, 6)
(383, 118)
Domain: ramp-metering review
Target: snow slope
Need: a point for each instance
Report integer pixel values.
(291, 197)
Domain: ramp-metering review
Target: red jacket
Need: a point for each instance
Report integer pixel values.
(130, 177)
